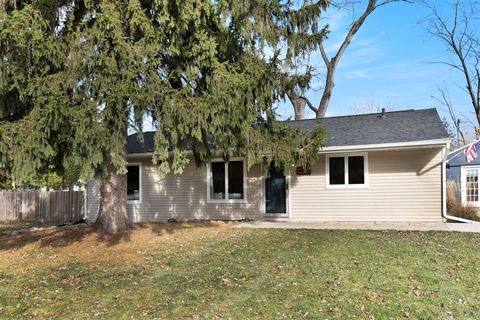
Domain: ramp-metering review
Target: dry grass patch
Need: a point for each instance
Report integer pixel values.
(81, 244)
(8, 226)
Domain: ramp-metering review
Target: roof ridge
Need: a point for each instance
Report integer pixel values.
(363, 114)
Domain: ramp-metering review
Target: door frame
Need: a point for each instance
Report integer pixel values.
(463, 184)
(286, 215)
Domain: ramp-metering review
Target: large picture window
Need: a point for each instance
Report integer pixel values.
(134, 183)
(347, 171)
(226, 181)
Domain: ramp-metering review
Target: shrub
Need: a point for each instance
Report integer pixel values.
(456, 209)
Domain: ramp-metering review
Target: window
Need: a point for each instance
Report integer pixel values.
(472, 186)
(133, 183)
(337, 170)
(226, 181)
(470, 178)
(218, 181)
(235, 180)
(346, 171)
(356, 170)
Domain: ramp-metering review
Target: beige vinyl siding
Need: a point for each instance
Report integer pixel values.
(404, 185)
(184, 196)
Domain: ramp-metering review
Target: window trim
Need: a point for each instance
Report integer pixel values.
(345, 158)
(140, 191)
(209, 179)
(463, 185)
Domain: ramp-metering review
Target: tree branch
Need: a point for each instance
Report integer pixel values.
(445, 101)
(460, 39)
(309, 104)
(324, 55)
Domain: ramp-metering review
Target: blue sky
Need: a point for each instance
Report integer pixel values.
(390, 62)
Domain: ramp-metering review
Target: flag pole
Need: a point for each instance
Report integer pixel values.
(464, 147)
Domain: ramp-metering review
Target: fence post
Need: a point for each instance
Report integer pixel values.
(15, 206)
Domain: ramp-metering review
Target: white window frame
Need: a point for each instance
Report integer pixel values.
(140, 187)
(345, 157)
(463, 186)
(209, 181)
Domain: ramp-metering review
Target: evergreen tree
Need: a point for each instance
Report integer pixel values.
(76, 75)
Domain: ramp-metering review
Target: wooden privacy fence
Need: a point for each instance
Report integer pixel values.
(42, 207)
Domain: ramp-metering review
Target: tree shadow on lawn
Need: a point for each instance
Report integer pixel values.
(68, 235)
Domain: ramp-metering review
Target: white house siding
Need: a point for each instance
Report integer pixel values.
(403, 186)
(183, 196)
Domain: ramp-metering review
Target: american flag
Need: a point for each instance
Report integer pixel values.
(471, 151)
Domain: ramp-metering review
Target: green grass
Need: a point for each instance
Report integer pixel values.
(219, 273)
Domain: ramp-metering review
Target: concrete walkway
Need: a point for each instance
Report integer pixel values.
(342, 225)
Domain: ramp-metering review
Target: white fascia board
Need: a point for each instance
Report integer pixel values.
(361, 147)
(140, 155)
(149, 154)
(388, 146)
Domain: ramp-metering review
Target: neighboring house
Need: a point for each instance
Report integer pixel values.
(374, 167)
(464, 176)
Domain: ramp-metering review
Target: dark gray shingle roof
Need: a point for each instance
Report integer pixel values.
(135, 146)
(396, 126)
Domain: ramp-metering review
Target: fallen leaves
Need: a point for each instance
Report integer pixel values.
(163, 271)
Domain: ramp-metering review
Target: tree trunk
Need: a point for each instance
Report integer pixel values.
(327, 91)
(299, 106)
(112, 215)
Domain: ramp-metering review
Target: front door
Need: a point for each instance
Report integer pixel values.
(276, 188)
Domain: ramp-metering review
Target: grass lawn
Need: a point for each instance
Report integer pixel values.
(216, 271)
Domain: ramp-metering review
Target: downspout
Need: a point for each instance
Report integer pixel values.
(444, 190)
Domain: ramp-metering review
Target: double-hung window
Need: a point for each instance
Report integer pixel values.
(226, 181)
(349, 170)
(134, 181)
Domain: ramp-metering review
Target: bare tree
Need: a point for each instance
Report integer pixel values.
(371, 106)
(446, 102)
(331, 63)
(459, 31)
(297, 77)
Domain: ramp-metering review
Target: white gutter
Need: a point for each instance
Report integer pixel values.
(444, 190)
(387, 146)
(434, 143)
(150, 154)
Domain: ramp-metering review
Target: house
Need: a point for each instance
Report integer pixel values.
(385, 166)
(464, 177)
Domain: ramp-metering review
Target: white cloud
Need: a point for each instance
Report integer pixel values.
(357, 74)
(361, 52)
(336, 19)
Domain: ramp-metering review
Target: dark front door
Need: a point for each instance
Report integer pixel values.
(275, 192)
